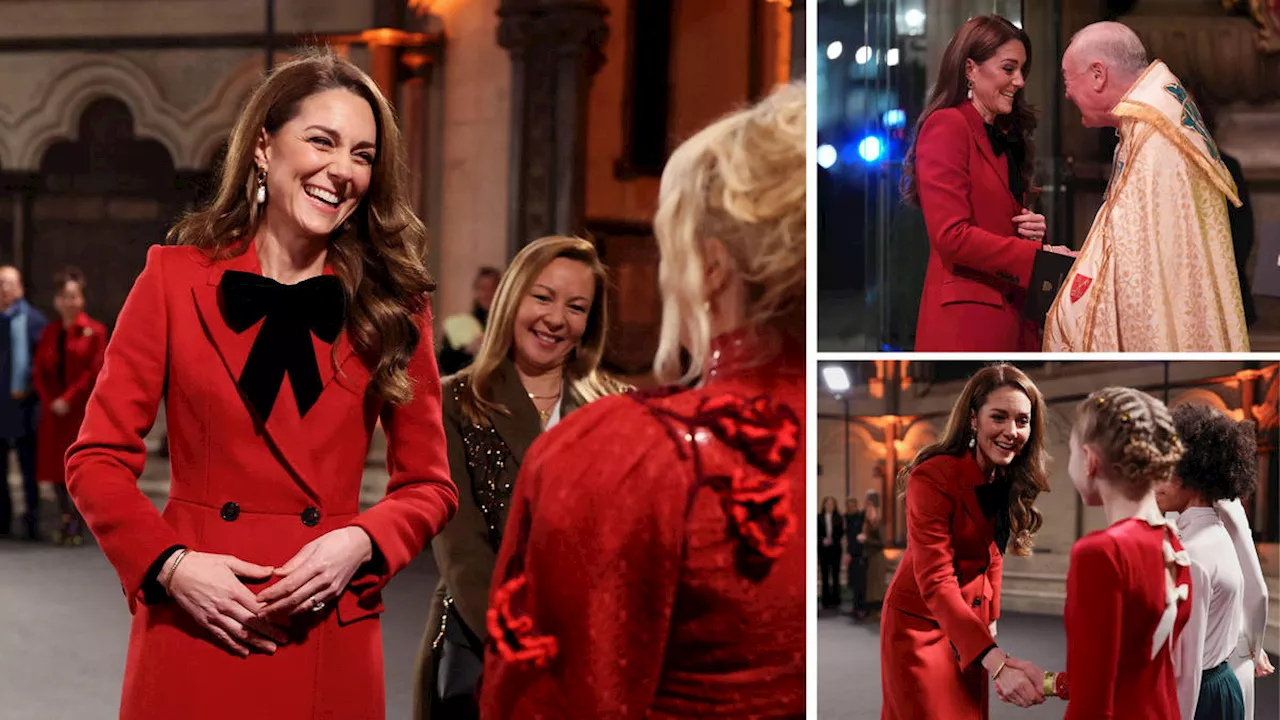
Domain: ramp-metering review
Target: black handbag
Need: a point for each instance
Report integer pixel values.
(459, 656)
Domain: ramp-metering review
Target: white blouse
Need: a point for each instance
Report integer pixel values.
(1233, 517)
(1217, 590)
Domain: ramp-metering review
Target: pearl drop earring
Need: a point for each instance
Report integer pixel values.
(970, 89)
(262, 187)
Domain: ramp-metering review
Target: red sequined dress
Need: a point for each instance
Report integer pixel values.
(654, 563)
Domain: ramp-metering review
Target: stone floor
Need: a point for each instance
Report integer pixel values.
(849, 667)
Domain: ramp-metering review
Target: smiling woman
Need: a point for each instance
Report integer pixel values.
(539, 361)
(968, 496)
(307, 266)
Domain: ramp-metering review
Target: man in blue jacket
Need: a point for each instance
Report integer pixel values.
(20, 328)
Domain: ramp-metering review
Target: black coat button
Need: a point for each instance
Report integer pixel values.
(977, 601)
(311, 517)
(230, 512)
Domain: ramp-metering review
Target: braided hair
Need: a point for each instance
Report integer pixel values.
(1135, 436)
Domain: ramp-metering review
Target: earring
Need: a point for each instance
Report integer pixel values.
(970, 89)
(973, 441)
(262, 187)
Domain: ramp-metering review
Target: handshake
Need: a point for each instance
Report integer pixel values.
(1020, 682)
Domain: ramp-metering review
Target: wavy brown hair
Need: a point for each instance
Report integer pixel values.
(379, 253)
(1135, 436)
(582, 370)
(977, 40)
(1027, 474)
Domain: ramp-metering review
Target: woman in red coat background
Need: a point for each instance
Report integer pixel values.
(653, 564)
(970, 171)
(290, 319)
(1128, 585)
(67, 361)
(967, 497)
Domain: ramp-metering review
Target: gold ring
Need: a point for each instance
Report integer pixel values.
(316, 605)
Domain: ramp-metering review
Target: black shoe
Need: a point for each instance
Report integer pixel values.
(32, 528)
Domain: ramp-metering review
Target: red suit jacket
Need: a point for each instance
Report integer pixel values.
(942, 599)
(259, 493)
(1116, 596)
(658, 543)
(979, 268)
(86, 343)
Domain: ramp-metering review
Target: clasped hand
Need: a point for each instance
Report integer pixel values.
(1030, 225)
(211, 588)
(1021, 682)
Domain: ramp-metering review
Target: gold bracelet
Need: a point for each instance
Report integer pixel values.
(996, 674)
(178, 556)
(1049, 679)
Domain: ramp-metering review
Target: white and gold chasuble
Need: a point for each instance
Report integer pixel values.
(1157, 271)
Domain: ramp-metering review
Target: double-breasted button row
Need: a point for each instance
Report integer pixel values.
(231, 511)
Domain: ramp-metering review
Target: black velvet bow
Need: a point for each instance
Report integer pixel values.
(993, 498)
(1000, 142)
(293, 312)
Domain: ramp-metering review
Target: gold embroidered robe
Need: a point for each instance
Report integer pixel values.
(1157, 271)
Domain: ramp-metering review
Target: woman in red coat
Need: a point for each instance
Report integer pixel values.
(291, 318)
(1128, 585)
(970, 171)
(67, 360)
(654, 560)
(968, 497)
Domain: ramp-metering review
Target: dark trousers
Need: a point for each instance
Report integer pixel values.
(858, 582)
(829, 561)
(26, 447)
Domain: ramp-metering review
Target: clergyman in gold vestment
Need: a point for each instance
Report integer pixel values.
(1157, 271)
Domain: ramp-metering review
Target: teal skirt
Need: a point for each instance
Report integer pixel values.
(1220, 695)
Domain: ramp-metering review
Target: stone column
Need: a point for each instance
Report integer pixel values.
(556, 49)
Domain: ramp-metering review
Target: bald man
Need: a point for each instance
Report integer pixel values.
(1157, 271)
(20, 328)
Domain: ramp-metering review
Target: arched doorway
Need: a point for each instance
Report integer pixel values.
(100, 201)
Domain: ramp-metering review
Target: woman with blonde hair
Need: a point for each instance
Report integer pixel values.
(654, 559)
(258, 589)
(969, 497)
(539, 361)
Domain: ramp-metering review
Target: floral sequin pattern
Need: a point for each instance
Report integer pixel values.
(761, 439)
(487, 458)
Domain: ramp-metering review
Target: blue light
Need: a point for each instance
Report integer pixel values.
(826, 156)
(870, 148)
(895, 118)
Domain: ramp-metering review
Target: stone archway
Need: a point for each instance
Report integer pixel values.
(101, 198)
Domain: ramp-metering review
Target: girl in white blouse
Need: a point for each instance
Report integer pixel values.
(1219, 463)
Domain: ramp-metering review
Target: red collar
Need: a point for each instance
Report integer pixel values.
(751, 350)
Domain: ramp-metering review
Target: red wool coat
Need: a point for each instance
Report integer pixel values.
(86, 344)
(979, 268)
(943, 597)
(257, 493)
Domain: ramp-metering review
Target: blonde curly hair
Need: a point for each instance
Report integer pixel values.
(741, 181)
